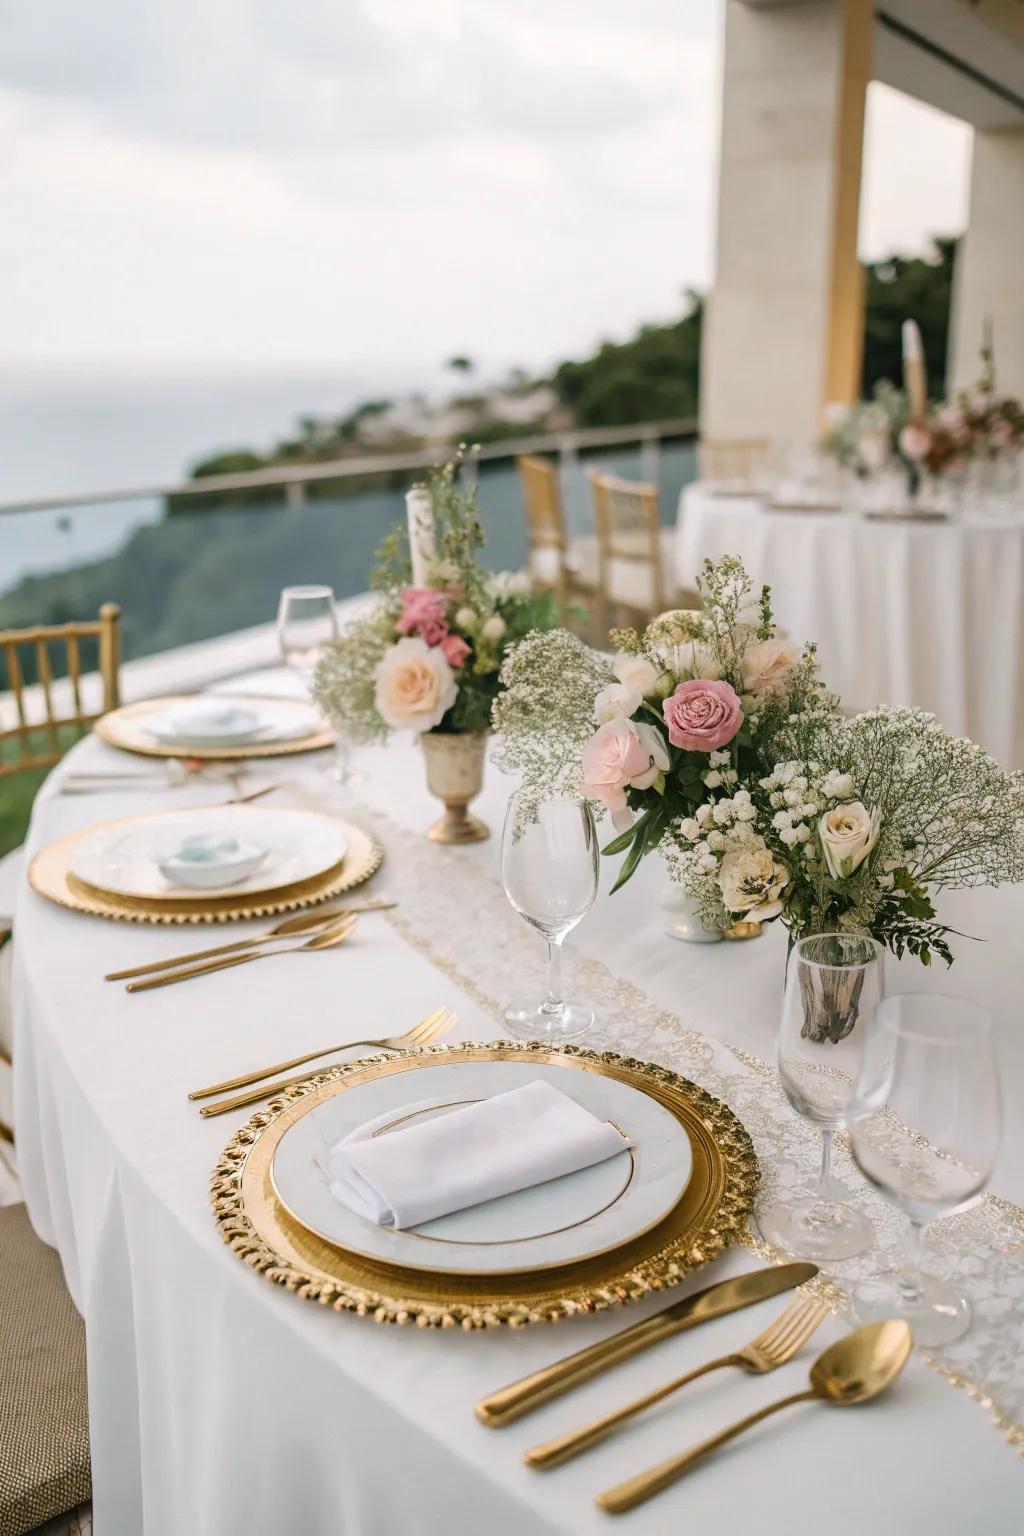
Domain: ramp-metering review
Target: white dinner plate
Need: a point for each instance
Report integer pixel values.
(274, 720)
(560, 1222)
(123, 857)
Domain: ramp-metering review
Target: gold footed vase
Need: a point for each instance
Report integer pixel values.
(455, 774)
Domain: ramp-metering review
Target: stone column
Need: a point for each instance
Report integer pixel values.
(784, 331)
(989, 281)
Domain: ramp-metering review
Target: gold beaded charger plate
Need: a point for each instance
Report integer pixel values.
(50, 875)
(707, 1216)
(126, 728)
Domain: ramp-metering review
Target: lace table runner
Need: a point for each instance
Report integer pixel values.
(980, 1250)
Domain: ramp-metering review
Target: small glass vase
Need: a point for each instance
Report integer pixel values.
(455, 774)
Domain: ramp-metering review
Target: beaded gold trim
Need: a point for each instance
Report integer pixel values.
(711, 1215)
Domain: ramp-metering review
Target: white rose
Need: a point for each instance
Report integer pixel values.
(414, 687)
(617, 702)
(848, 835)
(465, 617)
(752, 882)
(636, 672)
(768, 665)
(653, 743)
(494, 627)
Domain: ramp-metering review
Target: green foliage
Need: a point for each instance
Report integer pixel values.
(652, 377)
(908, 288)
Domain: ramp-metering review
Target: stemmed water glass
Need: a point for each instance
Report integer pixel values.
(925, 1132)
(549, 868)
(306, 625)
(834, 984)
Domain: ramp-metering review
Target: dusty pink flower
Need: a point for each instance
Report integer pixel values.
(702, 715)
(618, 755)
(915, 441)
(455, 650)
(423, 609)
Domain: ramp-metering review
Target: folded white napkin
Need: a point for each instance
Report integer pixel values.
(509, 1142)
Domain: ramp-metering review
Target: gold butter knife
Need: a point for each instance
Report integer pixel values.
(522, 1397)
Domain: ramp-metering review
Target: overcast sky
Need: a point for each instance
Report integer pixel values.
(249, 184)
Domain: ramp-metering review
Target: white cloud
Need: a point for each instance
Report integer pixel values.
(242, 183)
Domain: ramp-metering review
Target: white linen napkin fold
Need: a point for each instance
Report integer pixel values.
(509, 1142)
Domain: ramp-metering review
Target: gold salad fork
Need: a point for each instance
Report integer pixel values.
(420, 1034)
(326, 939)
(777, 1345)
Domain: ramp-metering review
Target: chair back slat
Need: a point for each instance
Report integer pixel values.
(733, 458)
(629, 531)
(546, 542)
(29, 732)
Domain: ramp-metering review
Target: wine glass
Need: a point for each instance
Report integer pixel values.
(549, 868)
(306, 625)
(925, 1131)
(834, 984)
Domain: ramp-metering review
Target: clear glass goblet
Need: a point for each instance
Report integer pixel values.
(549, 868)
(834, 984)
(925, 1131)
(307, 624)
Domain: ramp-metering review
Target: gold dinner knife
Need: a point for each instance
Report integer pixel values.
(512, 1402)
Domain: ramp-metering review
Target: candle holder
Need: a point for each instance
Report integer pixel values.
(455, 774)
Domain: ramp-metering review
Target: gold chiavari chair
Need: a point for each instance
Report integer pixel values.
(38, 718)
(547, 546)
(632, 550)
(54, 720)
(734, 461)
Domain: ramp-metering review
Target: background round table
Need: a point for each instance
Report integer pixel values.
(222, 1405)
(905, 613)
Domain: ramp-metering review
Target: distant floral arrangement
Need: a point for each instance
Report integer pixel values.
(980, 425)
(711, 738)
(427, 655)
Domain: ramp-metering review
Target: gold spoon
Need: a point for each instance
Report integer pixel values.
(306, 922)
(854, 1370)
(325, 940)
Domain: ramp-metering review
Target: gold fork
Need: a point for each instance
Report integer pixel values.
(774, 1347)
(421, 1034)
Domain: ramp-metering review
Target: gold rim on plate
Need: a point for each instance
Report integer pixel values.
(50, 876)
(121, 728)
(709, 1215)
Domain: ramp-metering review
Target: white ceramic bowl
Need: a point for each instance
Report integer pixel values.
(208, 861)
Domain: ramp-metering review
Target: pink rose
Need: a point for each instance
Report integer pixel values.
(455, 649)
(618, 755)
(414, 686)
(423, 609)
(915, 442)
(702, 715)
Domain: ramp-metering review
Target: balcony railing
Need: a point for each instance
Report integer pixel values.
(295, 478)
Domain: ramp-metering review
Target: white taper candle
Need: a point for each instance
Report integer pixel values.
(915, 379)
(420, 514)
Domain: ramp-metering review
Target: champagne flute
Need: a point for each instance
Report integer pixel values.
(307, 624)
(834, 984)
(925, 1131)
(549, 868)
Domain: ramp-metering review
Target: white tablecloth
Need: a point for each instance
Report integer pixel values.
(223, 1406)
(903, 613)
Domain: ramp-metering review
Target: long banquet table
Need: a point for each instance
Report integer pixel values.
(221, 1404)
(906, 613)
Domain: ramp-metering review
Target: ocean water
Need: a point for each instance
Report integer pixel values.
(190, 577)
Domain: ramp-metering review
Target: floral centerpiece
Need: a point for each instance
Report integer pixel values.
(426, 655)
(683, 713)
(711, 738)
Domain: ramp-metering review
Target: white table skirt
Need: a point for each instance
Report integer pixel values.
(221, 1405)
(903, 613)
